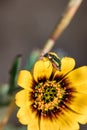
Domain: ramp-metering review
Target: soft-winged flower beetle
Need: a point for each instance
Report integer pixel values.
(55, 60)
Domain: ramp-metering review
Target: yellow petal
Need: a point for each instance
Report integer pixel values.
(48, 124)
(79, 103)
(82, 119)
(34, 125)
(80, 88)
(42, 69)
(68, 121)
(25, 79)
(26, 116)
(63, 121)
(77, 79)
(77, 76)
(67, 64)
(22, 98)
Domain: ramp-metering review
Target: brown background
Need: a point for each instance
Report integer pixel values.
(26, 24)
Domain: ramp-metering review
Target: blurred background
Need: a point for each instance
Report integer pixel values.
(26, 24)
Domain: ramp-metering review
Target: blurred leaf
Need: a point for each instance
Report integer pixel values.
(4, 98)
(4, 89)
(11, 127)
(14, 73)
(32, 59)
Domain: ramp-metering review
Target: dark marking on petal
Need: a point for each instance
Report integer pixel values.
(42, 79)
(58, 78)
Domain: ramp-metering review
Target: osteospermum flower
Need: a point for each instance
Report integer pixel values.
(53, 99)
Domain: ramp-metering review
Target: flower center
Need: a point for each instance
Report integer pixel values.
(47, 96)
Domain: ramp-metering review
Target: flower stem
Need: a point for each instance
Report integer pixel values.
(70, 11)
(7, 115)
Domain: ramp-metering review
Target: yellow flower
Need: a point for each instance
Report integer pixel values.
(53, 99)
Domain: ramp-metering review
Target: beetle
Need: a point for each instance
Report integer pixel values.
(55, 60)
